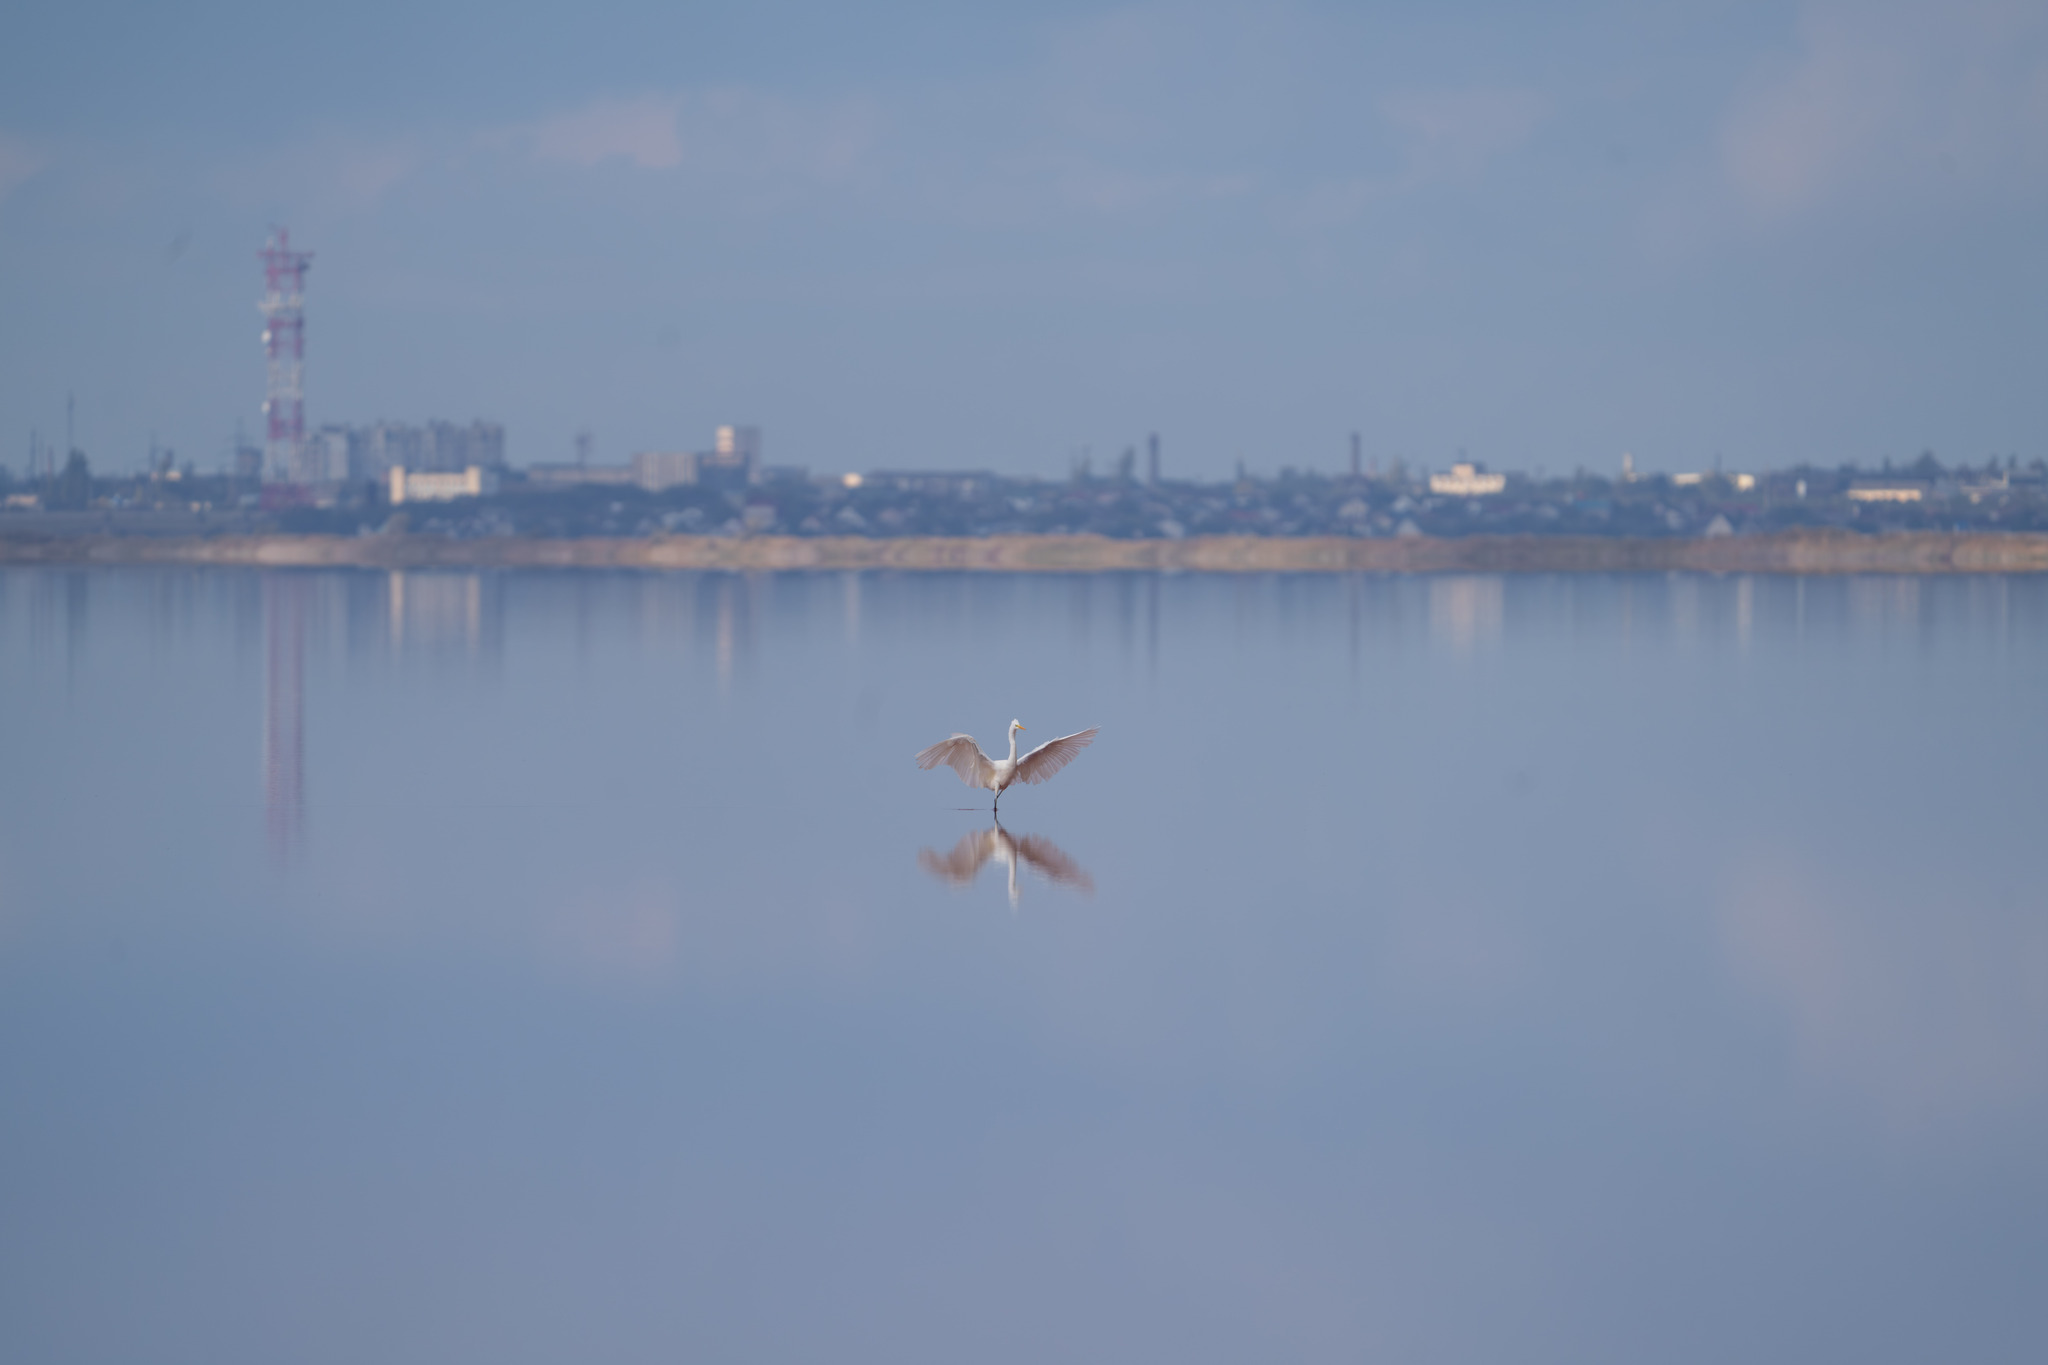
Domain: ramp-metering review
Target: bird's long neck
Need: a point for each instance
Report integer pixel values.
(1013, 744)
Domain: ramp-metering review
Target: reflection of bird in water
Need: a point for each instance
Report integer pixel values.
(1039, 853)
(977, 769)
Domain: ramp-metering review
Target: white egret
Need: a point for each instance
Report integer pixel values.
(977, 769)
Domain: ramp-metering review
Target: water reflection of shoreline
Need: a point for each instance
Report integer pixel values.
(961, 866)
(443, 612)
(1466, 610)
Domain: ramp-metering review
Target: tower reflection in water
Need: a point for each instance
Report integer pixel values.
(974, 851)
(442, 617)
(284, 710)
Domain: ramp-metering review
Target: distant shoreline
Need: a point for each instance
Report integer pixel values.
(1802, 552)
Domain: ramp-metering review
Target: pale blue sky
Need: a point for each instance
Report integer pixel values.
(992, 236)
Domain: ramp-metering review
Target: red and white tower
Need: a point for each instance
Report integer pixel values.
(284, 347)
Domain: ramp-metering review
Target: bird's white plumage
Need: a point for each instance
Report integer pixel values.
(977, 769)
(1053, 755)
(963, 756)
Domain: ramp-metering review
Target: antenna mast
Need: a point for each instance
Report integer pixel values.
(284, 348)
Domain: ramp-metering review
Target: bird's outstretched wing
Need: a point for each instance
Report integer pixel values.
(1052, 860)
(1053, 755)
(962, 864)
(963, 756)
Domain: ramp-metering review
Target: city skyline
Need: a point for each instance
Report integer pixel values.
(1772, 233)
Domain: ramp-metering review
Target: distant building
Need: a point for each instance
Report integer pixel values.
(943, 483)
(735, 453)
(1887, 491)
(440, 485)
(734, 462)
(1742, 483)
(449, 447)
(655, 470)
(324, 456)
(339, 453)
(1467, 481)
(558, 476)
(383, 446)
(738, 443)
(367, 454)
(1986, 488)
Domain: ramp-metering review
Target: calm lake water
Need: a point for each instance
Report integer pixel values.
(528, 967)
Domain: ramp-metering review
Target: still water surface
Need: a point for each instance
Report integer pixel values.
(529, 967)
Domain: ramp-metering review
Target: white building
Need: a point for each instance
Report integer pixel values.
(432, 485)
(1743, 483)
(1887, 492)
(1467, 481)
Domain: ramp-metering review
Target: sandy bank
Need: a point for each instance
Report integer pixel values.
(1800, 552)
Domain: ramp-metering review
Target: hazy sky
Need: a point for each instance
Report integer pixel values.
(995, 235)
